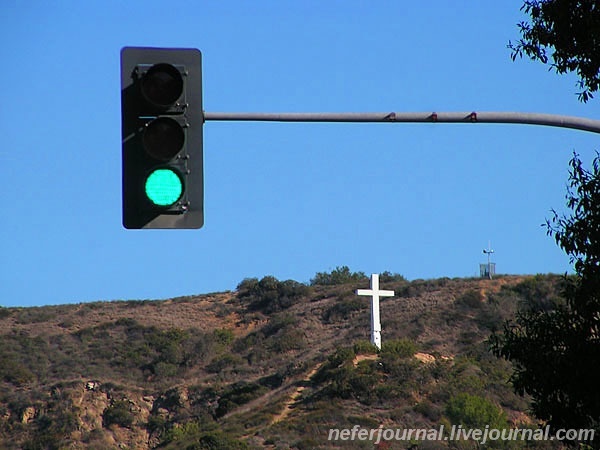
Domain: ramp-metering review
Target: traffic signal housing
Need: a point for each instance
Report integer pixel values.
(161, 123)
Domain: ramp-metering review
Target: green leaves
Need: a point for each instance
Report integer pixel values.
(569, 30)
(340, 275)
(475, 412)
(556, 346)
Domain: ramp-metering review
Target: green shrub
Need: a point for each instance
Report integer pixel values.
(217, 440)
(227, 361)
(280, 334)
(286, 340)
(470, 299)
(340, 275)
(15, 372)
(365, 348)
(539, 293)
(277, 323)
(401, 370)
(224, 336)
(489, 318)
(273, 381)
(165, 370)
(344, 380)
(36, 314)
(180, 433)
(399, 348)
(466, 376)
(238, 394)
(474, 411)
(118, 413)
(342, 355)
(127, 322)
(388, 277)
(269, 294)
(418, 287)
(429, 410)
(343, 310)
(156, 424)
(23, 359)
(50, 430)
(353, 382)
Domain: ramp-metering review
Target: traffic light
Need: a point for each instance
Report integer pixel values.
(161, 122)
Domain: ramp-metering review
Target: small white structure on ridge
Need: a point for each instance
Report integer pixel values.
(487, 271)
(375, 293)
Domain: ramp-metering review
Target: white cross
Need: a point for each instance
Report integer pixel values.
(375, 293)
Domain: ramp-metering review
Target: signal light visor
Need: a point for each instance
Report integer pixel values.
(162, 85)
(163, 138)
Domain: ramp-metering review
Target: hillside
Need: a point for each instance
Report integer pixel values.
(274, 364)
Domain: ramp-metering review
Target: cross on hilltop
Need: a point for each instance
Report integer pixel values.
(375, 293)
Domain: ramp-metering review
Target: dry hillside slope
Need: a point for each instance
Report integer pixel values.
(274, 364)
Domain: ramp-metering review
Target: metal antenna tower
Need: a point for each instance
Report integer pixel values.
(489, 251)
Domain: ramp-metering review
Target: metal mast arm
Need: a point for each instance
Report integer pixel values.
(552, 120)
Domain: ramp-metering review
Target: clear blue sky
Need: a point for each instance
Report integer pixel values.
(287, 200)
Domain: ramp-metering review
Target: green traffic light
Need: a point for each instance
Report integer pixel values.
(163, 187)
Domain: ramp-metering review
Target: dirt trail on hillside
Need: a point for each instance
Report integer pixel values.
(289, 404)
(294, 397)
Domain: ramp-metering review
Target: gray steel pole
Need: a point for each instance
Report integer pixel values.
(552, 120)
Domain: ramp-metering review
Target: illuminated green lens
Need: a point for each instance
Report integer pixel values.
(163, 187)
